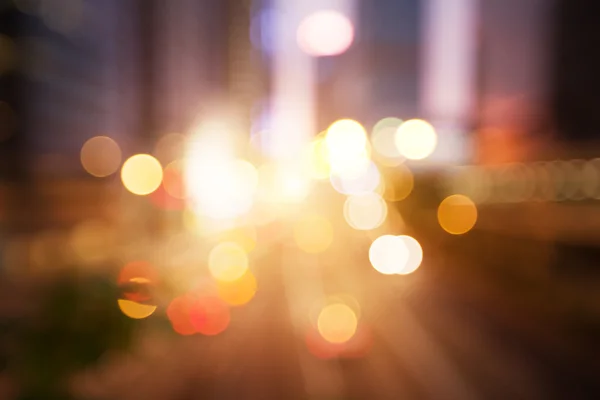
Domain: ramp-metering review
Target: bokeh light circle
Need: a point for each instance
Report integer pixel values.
(141, 174)
(238, 292)
(365, 212)
(337, 323)
(227, 261)
(135, 310)
(100, 156)
(389, 254)
(415, 255)
(325, 33)
(457, 214)
(416, 139)
(383, 140)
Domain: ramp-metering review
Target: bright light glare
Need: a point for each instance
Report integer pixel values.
(388, 254)
(283, 183)
(141, 174)
(416, 139)
(347, 147)
(227, 262)
(337, 323)
(313, 233)
(136, 310)
(365, 212)
(457, 214)
(383, 140)
(100, 156)
(325, 33)
(221, 188)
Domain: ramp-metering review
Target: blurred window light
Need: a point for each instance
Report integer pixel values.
(100, 156)
(337, 323)
(416, 139)
(313, 233)
(365, 212)
(457, 214)
(325, 33)
(227, 262)
(141, 174)
(383, 141)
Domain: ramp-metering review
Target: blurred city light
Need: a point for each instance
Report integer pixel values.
(100, 156)
(141, 174)
(227, 261)
(337, 323)
(313, 233)
(457, 214)
(384, 143)
(416, 139)
(365, 211)
(325, 33)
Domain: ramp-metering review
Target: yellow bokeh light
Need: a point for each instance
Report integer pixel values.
(100, 156)
(136, 310)
(141, 174)
(238, 292)
(399, 183)
(416, 139)
(457, 214)
(415, 255)
(383, 141)
(313, 233)
(325, 33)
(365, 212)
(227, 262)
(337, 323)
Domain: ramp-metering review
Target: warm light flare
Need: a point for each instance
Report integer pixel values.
(141, 174)
(416, 139)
